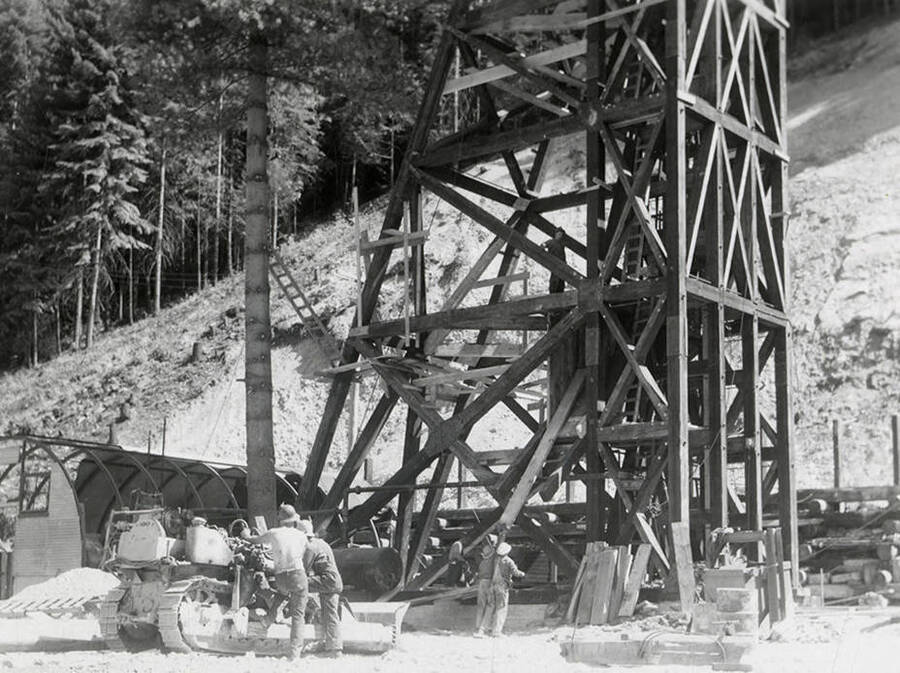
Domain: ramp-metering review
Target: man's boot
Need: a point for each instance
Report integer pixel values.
(296, 650)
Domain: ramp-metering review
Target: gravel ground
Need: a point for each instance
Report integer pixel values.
(839, 641)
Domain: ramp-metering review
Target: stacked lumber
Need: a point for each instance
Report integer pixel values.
(857, 552)
(607, 584)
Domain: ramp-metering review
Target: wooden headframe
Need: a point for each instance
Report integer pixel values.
(674, 291)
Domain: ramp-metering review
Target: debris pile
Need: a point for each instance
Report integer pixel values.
(79, 581)
(847, 554)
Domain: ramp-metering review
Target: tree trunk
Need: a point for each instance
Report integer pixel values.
(157, 296)
(79, 305)
(58, 314)
(95, 281)
(34, 333)
(230, 239)
(258, 376)
(130, 285)
(275, 221)
(217, 227)
(199, 242)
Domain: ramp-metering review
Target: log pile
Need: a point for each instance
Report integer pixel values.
(853, 553)
(608, 582)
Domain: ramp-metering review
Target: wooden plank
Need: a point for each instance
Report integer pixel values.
(535, 74)
(603, 585)
(488, 350)
(836, 451)
(533, 22)
(753, 457)
(623, 566)
(417, 238)
(577, 587)
(460, 375)
(895, 446)
(357, 455)
(772, 578)
(435, 337)
(538, 101)
(675, 221)
(521, 413)
(520, 369)
(427, 516)
(495, 73)
(849, 494)
(586, 604)
(684, 564)
(649, 537)
(519, 312)
(499, 228)
(535, 465)
(635, 580)
(502, 280)
(406, 499)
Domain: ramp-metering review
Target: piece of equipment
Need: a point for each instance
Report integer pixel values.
(187, 586)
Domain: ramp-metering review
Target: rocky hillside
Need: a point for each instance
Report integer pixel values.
(844, 237)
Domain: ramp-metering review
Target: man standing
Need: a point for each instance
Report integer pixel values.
(505, 570)
(485, 609)
(287, 546)
(324, 579)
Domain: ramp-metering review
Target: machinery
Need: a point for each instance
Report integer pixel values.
(188, 586)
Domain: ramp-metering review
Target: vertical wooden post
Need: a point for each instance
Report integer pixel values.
(715, 318)
(257, 355)
(895, 446)
(675, 223)
(459, 480)
(784, 415)
(407, 498)
(836, 448)
(595, 171)
(359, 274)
(753, 453)
(405, 230)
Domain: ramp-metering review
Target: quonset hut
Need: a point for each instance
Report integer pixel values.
(61, 492)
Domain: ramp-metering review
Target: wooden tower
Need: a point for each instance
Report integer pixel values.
(664, 328)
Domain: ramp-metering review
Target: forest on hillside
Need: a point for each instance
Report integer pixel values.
(123, 138)
(123, 141)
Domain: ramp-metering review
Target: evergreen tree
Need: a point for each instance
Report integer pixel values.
(97, 159)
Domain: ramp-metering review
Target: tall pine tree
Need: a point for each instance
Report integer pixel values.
(97, 158)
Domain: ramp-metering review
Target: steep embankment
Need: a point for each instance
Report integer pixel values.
(844, 237)
(844, 135)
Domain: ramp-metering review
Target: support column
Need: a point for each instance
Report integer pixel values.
(675, 222)
(597, 500)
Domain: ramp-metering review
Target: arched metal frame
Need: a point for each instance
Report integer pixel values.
(120, 468)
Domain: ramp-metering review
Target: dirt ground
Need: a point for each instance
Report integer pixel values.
(820, 641)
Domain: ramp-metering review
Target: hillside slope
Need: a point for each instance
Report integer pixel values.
(844, 237)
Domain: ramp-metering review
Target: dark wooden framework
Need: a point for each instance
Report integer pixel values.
(676, 292)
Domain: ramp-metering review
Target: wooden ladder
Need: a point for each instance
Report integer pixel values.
(303, 308)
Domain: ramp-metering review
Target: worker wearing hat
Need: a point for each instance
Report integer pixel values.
(324, 579)
(287, 546)
(505, 570)
(485, 607)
